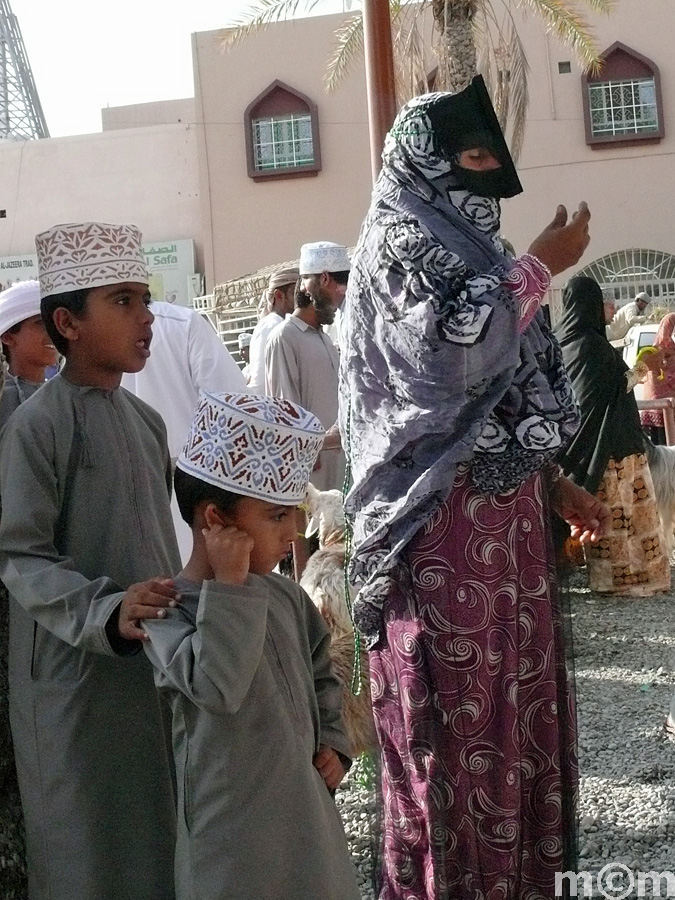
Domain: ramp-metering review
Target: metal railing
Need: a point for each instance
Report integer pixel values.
(667, 405)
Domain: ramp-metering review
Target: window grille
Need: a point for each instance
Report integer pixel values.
(631, 267)
(623, 107)
(283, 142)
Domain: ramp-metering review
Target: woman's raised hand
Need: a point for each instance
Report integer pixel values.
(562, 244)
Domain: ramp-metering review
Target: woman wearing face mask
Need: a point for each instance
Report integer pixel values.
(454, 402)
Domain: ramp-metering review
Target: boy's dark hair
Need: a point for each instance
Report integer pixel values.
(75, 301)
(15, 329)
(191, 491)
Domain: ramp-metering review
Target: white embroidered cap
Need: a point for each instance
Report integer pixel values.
(323, 256)
(256, 446)
(19, 302)
(89, 255)
(244, 339)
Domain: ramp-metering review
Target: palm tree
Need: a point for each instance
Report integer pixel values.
(469, 36)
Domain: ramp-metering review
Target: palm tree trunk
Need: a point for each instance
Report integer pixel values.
(457, 43)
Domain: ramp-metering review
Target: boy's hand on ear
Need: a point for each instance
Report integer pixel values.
(229, 552)
(145, 600)
(329, 766)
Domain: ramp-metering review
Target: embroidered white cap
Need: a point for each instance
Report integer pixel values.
(323, 256)
(244, 339)
(19, 302)
(643, 295)
(89, 255)
(256, 446)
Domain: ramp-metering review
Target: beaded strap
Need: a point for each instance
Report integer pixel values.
(355, 686)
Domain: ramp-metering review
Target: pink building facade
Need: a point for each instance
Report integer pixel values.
(262, 160)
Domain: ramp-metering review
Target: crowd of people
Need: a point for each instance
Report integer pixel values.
(172, 723)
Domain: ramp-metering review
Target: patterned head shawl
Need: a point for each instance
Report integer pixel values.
(255, 446)
(434, 371)
(89, 255)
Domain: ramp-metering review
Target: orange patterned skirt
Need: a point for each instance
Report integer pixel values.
(631, 561)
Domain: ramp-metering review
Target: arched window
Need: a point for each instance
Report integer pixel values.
(622, 103)
(282, 134)
(624, 273)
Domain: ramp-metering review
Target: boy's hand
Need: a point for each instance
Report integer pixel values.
(229, 552)
(329, 766)
(145, 600)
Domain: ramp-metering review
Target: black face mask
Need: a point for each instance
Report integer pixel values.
(467, 120)
(485, 183)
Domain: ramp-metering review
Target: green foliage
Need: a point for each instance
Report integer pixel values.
(364, 771)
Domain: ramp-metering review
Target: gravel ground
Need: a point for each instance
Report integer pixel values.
(625, 676)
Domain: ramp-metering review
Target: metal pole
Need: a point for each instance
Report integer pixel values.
(669, 424)
(666, 404)
(380, 83)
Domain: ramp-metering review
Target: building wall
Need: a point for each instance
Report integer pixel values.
(628, 189)
(147, 176)
(140, 115)
(179, 180)
(255, 224)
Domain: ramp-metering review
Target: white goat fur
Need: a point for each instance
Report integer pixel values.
(662, 466)
(324, 581)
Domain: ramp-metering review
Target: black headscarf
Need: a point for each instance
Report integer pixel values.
(610, 422)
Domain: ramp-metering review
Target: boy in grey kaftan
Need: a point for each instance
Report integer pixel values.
(85, 517)
(257, 725)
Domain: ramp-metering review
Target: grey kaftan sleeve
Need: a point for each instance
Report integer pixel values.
(327, 686)
(211, 660)
(40, 579)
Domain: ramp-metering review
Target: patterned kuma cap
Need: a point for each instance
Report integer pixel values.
(256, 446)
(323, 256)
(89, 255)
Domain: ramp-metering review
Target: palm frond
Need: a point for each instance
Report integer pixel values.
(601, 6)
(518, 91)
(409, 59)
(572, 29)
(347, 47)
(408, 47)
(503, 63)
(261, 14)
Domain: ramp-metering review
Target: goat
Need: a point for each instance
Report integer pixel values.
(324, 581)
(662, 467)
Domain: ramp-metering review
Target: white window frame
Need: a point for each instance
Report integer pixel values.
(636, 113)
(283, 142)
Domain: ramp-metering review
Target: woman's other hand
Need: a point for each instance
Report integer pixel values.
(589, 518)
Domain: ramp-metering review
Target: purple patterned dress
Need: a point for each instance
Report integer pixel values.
(472, 707)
